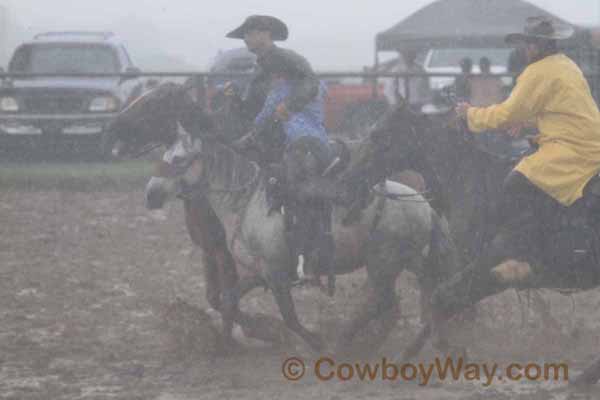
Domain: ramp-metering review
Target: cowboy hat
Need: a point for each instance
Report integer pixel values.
(278, 29)
(541, 28)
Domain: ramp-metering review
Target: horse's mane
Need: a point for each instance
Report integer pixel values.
(153, 116)
(227, 169)
(409, 126)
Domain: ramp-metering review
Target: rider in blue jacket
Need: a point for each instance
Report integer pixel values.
(287, 94)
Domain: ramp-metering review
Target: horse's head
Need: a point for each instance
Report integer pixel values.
(180, 167)
(395, 137)
(195, 166)
(152, 120)
(399, 134)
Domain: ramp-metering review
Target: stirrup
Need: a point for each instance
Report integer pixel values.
(303, 277)
(300, 267)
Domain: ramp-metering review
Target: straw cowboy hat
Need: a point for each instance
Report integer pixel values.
(278, 29)
(541, 28)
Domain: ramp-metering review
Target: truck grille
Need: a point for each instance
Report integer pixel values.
(44, 104)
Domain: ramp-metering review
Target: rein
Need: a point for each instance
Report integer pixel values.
(147, 148)
(201, 187)
(243, 187)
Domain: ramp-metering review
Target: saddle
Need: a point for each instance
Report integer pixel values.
(306, 207)
(321, 187)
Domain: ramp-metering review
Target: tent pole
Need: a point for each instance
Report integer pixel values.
(376, 70)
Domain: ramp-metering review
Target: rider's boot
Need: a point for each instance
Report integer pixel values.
(326, 246)
(301, 239)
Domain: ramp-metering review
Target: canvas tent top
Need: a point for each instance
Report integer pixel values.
(459, 23)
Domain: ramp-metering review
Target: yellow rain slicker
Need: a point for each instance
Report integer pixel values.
(554, 93)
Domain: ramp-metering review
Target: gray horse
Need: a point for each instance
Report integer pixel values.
(396, 230)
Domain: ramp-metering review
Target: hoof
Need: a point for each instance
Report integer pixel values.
(307, 280)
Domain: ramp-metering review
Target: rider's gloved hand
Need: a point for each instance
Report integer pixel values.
(229, 89)
(461, 109)
(515, 130)
(282, 113)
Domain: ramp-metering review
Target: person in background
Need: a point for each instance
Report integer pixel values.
(485, 90)
(462, 82)
(517, 61)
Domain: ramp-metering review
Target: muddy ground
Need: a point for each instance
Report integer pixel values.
(85, 279)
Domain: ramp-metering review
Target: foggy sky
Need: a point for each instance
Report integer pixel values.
(332, 34)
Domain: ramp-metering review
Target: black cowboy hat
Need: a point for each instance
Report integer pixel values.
(278, 29)
(541, 28)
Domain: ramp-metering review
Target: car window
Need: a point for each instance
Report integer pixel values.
(452, 57)
(420, 58)
(65, 58)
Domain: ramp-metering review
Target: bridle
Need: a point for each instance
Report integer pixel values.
(201, 187)
(145, 149)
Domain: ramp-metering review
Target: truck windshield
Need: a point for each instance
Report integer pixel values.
(64, 58)
(452, 57)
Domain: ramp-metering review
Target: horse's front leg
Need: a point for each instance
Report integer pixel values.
(258, 326)
(207, 232)
(280, 284)
(230, 296)
(482, 278)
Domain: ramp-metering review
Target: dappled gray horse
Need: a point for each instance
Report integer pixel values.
(396, 230)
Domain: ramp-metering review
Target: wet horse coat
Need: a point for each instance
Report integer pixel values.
(389, 236)
(409, 233)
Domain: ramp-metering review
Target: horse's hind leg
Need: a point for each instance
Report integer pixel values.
(281, 286)
(473, 284)
(459, 293)
(381, 304)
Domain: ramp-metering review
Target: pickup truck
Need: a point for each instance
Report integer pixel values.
(41, 116)
(447, 60)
